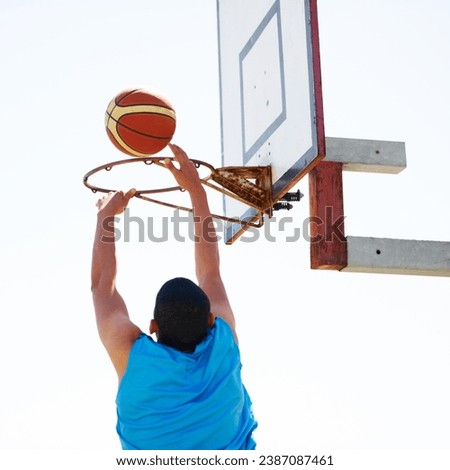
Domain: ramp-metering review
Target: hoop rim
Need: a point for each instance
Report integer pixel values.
(256, 222)
(147, 161)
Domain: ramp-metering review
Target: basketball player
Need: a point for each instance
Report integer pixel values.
(183, 391)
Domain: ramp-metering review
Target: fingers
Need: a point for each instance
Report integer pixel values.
(129, 194)
(174, 149)
(101, 201)
(178, 153)
(115, 202)
(169, 165)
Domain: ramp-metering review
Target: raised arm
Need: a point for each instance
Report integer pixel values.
(207, 262)
(115, 328)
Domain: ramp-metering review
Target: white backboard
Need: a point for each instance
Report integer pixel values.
(271, 103)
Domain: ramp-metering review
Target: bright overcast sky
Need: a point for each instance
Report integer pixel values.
(333, 361)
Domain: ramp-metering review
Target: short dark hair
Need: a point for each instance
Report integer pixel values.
(181, 311)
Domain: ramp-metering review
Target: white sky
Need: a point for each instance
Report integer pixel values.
(332, 361)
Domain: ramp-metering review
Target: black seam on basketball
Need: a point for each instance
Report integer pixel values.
(144, 104)
(118, 123)
(124, 96)
(140, 112)
(117, 103)
(145, 112)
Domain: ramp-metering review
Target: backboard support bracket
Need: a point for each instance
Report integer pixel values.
(250, 185)
(331, 249)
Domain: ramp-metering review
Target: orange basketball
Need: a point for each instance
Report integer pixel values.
(140, 122)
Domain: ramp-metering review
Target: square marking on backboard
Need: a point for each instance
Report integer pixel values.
(262, 83)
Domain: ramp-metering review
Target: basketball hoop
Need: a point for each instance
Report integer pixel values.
(232, 181)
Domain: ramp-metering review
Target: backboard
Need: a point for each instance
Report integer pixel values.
(270, 92)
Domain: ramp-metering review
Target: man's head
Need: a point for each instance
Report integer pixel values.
(182, 314)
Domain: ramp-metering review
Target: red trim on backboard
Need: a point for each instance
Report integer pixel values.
(317, 79)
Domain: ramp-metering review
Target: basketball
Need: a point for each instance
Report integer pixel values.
(140, 122)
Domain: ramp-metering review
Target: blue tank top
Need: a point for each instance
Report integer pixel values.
(172, 400)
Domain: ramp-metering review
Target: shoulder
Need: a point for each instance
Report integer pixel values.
(223, 334)
(119, 337)
(143, 344)
(222, 327)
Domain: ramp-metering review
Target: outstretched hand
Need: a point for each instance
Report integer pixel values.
(114, 203)
(187, 175)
